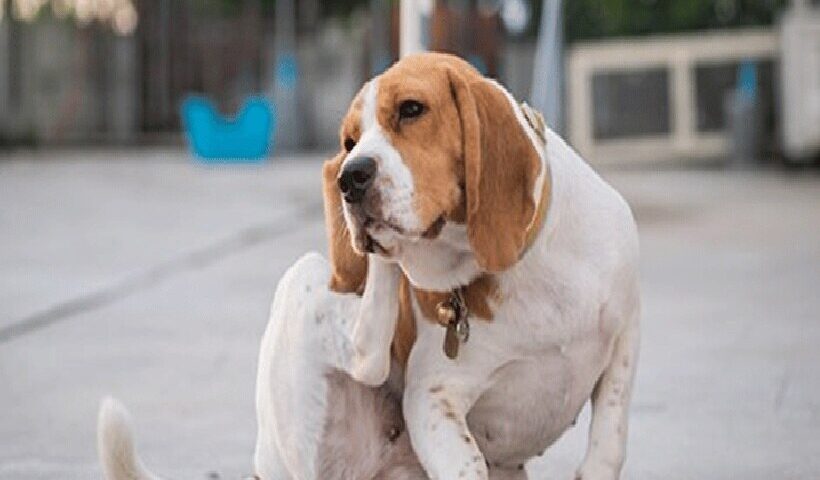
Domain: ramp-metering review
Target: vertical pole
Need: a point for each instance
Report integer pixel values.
(122, 114)
(410, 36)
(463, 12)
(4, 73)
(682, 86)
(547, 78)
(286, 76)
(379, 36)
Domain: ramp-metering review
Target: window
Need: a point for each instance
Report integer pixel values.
(631, 103)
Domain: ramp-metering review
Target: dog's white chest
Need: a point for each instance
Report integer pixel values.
(556, 347)
(531, 403)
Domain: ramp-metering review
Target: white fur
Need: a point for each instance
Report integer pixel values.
(369, 101)
(441, 264)
(313, 331)
(394, 180)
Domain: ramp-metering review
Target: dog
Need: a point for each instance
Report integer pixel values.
(482, 285)
(522, 264)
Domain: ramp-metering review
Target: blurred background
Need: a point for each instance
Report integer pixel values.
(653, 80)
(160, 169)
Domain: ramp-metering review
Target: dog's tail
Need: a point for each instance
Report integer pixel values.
(115, 444)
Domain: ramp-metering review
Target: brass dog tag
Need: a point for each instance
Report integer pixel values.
(453, 315)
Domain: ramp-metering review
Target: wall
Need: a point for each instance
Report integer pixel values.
(89, 86)
(335, 69)
(656, 98)
(800, 86)
(60, 84)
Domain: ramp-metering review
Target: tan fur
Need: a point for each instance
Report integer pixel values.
(430, 145)
(540, 214)
(349, 268)
(501, 167)
(405, 335)
(351, 126)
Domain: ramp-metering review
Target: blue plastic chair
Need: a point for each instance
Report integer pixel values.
(247, 138)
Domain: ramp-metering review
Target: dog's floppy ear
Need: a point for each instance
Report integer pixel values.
(501, 168)
(349, 269)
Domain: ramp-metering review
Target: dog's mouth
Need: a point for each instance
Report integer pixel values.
(376, 235)
(372, 224)
(366, 229)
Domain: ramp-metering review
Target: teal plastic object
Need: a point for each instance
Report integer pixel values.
(747, 83)
(247, 138)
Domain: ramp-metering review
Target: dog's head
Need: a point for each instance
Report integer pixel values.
(436, 165)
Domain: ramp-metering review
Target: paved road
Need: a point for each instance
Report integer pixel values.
(142, 275)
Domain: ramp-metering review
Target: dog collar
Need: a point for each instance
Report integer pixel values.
(540, 215)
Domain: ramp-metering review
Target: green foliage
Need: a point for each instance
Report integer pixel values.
(591, 19)
(327, 8)
(341, 8)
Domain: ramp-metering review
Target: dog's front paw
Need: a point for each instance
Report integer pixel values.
(591, 470)
(370, 370)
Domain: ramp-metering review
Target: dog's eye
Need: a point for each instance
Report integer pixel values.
(410, 109)
(349, 144)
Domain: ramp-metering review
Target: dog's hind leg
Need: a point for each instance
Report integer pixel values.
(312, 333)
(295, 355)
(610, 406)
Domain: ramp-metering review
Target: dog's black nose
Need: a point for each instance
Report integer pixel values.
(356, 177)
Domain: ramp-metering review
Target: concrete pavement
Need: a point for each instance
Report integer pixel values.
(143, 275)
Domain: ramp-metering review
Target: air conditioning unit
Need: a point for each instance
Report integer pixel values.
(800, 80)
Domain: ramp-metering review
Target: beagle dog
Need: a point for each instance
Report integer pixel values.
(446, 179)
(482, 285)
